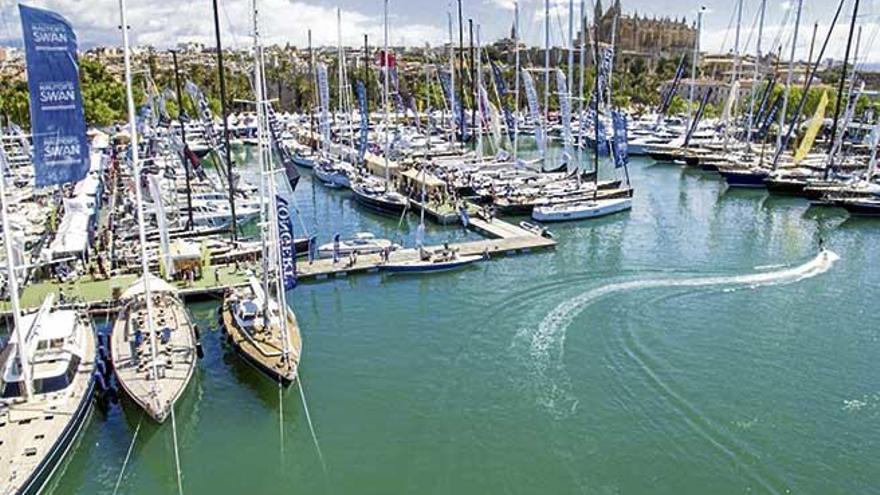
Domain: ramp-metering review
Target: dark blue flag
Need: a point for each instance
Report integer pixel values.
(619, 145)
(61, 151)
(361, 92)
(286, 243)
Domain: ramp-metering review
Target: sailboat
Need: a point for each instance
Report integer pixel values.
(371, 193)
(153, 344)
(595, 207)
(47, 370)
(261, 328)
(48, 380)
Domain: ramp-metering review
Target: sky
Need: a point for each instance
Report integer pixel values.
(164, 23)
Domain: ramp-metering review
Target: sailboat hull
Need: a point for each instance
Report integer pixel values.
(744, 178)
(56, 456)
(378, 204)
(250, 351)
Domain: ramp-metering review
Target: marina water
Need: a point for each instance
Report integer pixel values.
(597, 367)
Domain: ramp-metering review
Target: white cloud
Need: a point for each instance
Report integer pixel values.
(166, 23)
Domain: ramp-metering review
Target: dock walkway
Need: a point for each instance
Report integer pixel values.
(505, 238)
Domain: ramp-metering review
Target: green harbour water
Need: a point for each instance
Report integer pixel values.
(693, 345)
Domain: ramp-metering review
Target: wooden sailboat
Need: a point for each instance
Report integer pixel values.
(153, 344)
(261, 340)
(262, 328)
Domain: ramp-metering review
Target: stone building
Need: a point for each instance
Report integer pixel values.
(641, 38)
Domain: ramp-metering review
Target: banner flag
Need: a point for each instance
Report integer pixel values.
(565, 108)
(534, 109)
(286, 242)
(361, 92)
(61, 149)
(619, 144)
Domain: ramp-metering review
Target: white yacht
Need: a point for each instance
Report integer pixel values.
(360, 243)
(46, 403)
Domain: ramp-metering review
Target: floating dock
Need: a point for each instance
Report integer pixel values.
(97, 295)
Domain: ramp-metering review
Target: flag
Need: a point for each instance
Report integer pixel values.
(61, 149)
(286, 243)
(770, 117)
(667, 98)
(361, 92)
(162, 224)
(698, 116)
(381, 60)
(454, 104)
(324, 102)
(534, 109)
(501, 88)
(565, 108)
(619, 143)
(812, 130)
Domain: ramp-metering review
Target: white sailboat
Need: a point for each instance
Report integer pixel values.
(153, 344)
(47, 371)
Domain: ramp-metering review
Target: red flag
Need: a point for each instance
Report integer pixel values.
(380, 59)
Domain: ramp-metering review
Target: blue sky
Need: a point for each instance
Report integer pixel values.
(164, 23)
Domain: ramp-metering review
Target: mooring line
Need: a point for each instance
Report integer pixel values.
(302, 395)
(128, 455)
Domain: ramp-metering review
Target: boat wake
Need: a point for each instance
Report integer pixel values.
(546, 343)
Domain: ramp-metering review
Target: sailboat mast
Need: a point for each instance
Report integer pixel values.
(546, 78)
(734, 77)
(756, 74)
(385, 123)
(695, 60)
(312, 138)
(12, 275)
(139, 196)
(224, 114)
(461, 122)
(840, 96)
(596, 96)
(451, 76)
(580, 93)
(183, 151)
(478, 97)
(784, 109)
(261, 158)
(516, 81)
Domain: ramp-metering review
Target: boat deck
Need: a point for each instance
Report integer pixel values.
(133, 360)
(32, 431)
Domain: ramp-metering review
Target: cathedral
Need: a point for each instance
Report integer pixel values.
(649, 39)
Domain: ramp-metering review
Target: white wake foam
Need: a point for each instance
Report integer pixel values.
(548, 340)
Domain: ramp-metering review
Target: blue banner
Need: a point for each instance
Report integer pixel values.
(454, 105)
(501, 87)
(361, 92)
(667, 98)
(286, 243)
(770, 118)
(619, 144)
(61, 150)
(698, 116)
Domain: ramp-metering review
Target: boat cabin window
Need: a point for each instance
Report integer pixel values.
(60, 382)
(12, 390)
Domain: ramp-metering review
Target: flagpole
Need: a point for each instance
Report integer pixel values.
(12, 276)
(185, 156)
(224, 114)
(516, 82)
(139, 197)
